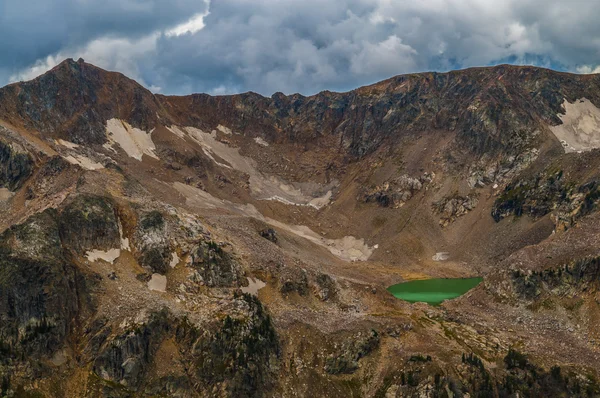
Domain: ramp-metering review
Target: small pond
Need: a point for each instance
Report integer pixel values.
(433, 291)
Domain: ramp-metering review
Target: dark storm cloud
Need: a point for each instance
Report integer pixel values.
(37, 28)
(292, 45)
(34, 29)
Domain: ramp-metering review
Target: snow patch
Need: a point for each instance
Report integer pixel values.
(224, 130)
(68, 144)
(83, 161)
(133, 141)
(109, 256)
(158, 283)
(260, 141)
(177, 131)
(211, 157)
(174, 260)
(441, 256)
(254, 285)
(263, 187)
(5, 194)
(580, 128)
(347, 248)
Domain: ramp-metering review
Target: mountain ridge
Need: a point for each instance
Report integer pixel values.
(243, 245)
(252, 112)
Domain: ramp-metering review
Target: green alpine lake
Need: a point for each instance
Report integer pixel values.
(433, 291)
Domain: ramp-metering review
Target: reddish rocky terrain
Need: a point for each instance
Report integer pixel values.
(241, 245)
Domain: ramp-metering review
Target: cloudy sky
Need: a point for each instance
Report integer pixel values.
(228, 46)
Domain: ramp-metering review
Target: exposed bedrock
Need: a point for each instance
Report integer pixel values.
(15, 166)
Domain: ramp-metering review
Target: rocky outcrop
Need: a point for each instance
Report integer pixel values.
(216, 267)
(568, 280)
(487, 171)
(346, 360)
(326, 287)
(47, 180)
(90, 223)
(269, 234)
(397, 192)
(548, 192)
(239, 357)
(152, 242)
(126, 358)
(293, 280)
(16, 165)
(40, 291)
(454, 206)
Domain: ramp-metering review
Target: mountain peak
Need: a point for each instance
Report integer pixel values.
(74, 99)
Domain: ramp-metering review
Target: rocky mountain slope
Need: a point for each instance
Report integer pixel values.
(241, 246)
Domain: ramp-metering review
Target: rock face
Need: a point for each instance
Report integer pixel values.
(346, 361)
(15, 166)
(47, 178)
(239, 357)
(454, 206)
(40, 291)
(235, 357)
(215, 267)
(548, 192)
(568, 280)
(397, 191)
(151, 242)
(90, 223)
(126, 358)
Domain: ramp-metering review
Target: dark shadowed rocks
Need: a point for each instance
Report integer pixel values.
(269, 234)
(326, 287)
(40, 291)
(151, 241)
(346, 359)
(239, 356)
(90, 223)
(454, 206)
(216, 267)
(235, 356)
(126, 358)
(15, 165)
(294, 280)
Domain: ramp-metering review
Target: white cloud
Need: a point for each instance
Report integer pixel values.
(121, 54)
(384, 58)
(588, 69)
(41, 66)
(195, 24)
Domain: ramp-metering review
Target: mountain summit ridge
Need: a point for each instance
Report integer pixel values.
(473, 101)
